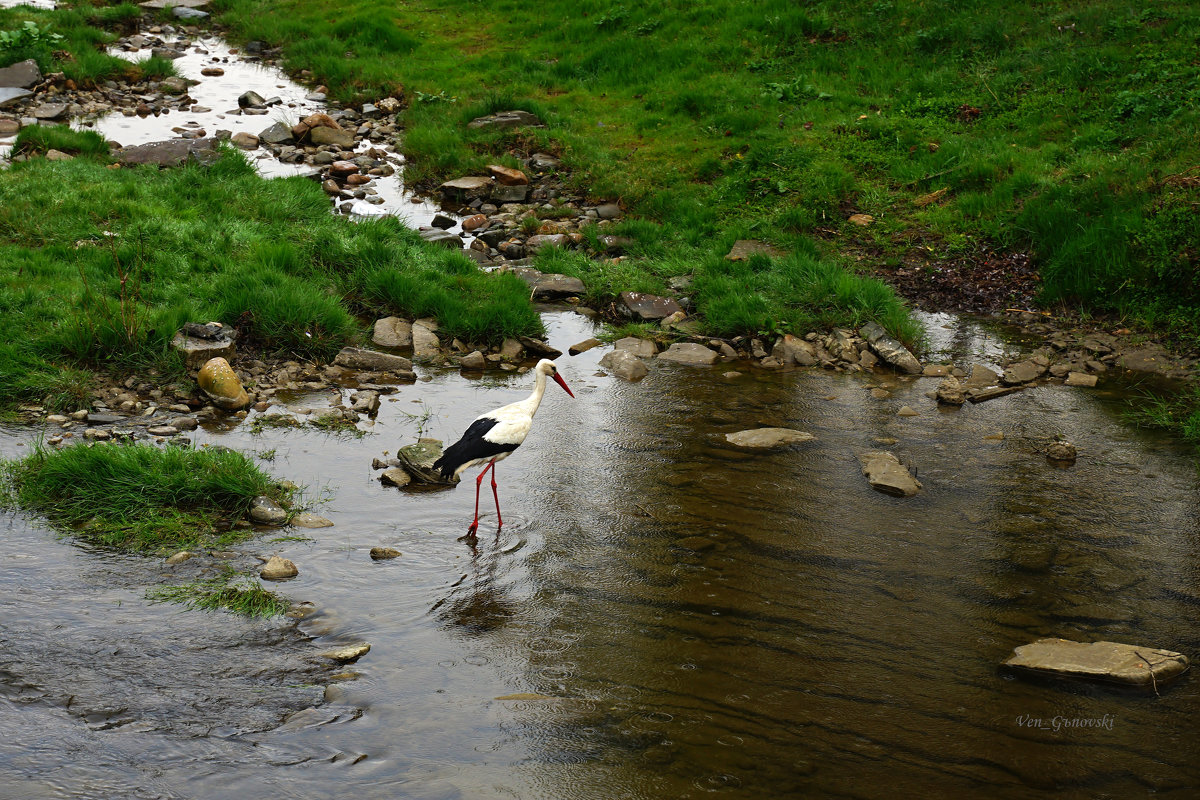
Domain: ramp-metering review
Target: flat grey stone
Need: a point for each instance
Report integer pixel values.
(11, 94)
(344, 655)
(647, 307)
(983, 395)
(1080, 379)
(549, 286)
(768, 438)
(538, 348)
(50, 111)
(197, 352)
(358, 358)
(642, 348)
(467, 188)
(22, 75)
(279, 133)
(307, 520)
(689, 353)
(886, 474)
(1022, 372)
(1101, 661)
(171, 153)
(506, 119)
(584, 346)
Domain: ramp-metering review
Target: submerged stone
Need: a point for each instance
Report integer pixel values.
(768, 438)
(278, 569)
(689, 353)
(625, 365)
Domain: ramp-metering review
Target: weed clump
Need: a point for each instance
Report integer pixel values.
(242, 595)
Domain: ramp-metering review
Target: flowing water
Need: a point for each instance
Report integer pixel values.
(668, 617)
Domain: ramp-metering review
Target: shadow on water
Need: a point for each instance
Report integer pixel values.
(661, 616)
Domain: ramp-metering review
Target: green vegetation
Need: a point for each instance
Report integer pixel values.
(1178, 414)
(242, 595)
(99, 267)
(73, 41)
(138, 497)
(1066, 130)
(40, 139)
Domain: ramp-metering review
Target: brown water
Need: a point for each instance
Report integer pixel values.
(700, 621)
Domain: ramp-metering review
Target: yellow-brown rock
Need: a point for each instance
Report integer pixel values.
(508, 176)
(220, 382)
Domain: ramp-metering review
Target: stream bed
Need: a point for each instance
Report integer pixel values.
(661, 616)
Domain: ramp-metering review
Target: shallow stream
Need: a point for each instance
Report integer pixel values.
(696, 620)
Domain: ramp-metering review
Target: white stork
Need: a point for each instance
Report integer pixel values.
(492, 436)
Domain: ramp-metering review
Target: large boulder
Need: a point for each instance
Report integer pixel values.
(221, 384)
(10, 95)
(1100, 661)
(335, 136)
(886, 474)
(467, 188)
(1023, 372)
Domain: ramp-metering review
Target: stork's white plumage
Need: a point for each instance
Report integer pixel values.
(494, 435)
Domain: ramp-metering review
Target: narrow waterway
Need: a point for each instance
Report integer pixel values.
(689, 619)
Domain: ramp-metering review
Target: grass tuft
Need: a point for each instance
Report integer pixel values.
(244, 596)
(139, 497)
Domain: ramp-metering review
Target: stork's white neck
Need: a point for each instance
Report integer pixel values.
(531, 403)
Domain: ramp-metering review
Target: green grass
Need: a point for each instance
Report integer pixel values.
(73, 41)
(1178, 414)
(243, 596)
(139, 498)
(39, 139)
(1055, 128)
(99, 268)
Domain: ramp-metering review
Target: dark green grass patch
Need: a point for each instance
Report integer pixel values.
(1053, 128)
(40, 139)
(139, 497)
(99, 268)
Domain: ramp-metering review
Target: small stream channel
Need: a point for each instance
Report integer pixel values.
(670, 618)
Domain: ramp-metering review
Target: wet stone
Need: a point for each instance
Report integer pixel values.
(886, 474)
(278, 569)
(266, 511)
(307, 520)
(385, 553)
(358, 358)
(22, 75)
(395, 476)
(625, 365)
(768, 438)
(345, 655)
(1080, 379)
(689, 353)
(889, 349)
(584, 346)
(1023, 372)
(1099, 661)
(506, 119)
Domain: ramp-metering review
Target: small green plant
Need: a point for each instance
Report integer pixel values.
(29, 36)
(530, 224)
(440, 97)
(241, 595)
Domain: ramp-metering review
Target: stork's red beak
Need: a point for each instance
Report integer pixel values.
(558, 379)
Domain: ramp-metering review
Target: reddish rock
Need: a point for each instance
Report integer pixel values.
(473, 222)
(340, 169)
(508, 176)
(357, 180)
(648, 307)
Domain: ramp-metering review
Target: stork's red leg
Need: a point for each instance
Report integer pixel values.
(499, 521)
(478, 483)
